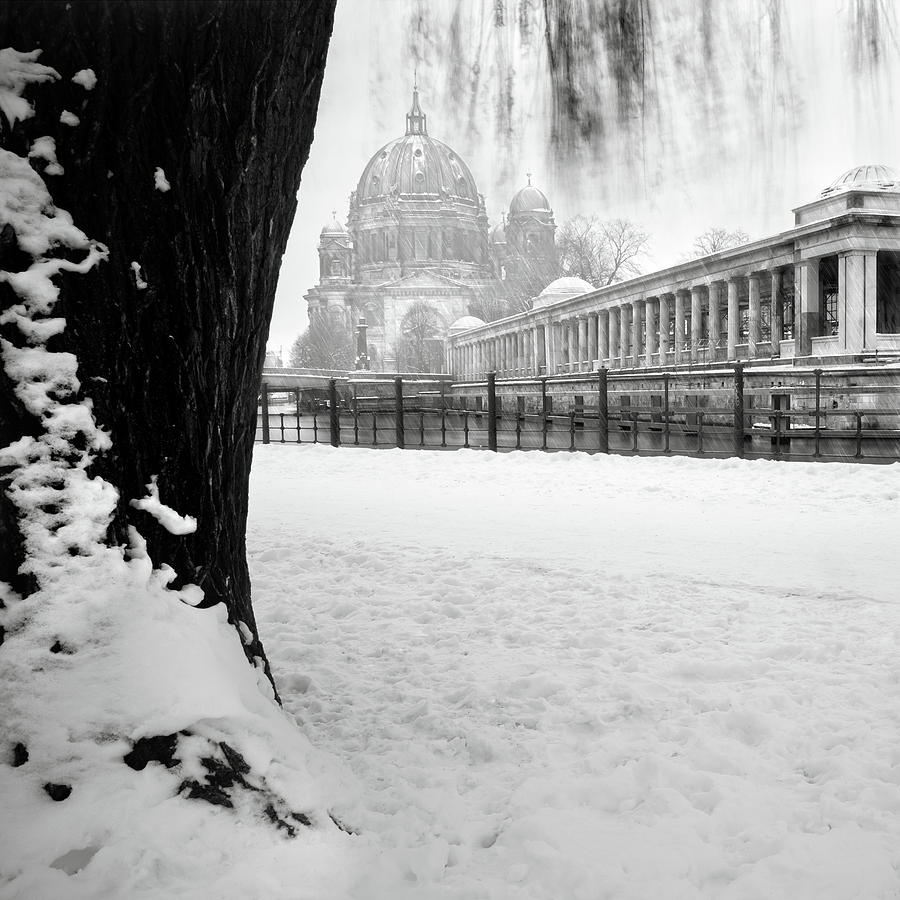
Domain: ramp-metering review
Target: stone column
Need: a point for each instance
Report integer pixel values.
(714, 320)
(603, 336)
(548, 347)
(857, 288)
(696, 321)
(636, 332)
(663, 328)
(679, 325)
(806, 305)
(624, 333)
(614, 318)
(776, 314)
(583, 353)
(734, 318)
(535, 350)
(592, 320)
(754, 335)
(650, 326)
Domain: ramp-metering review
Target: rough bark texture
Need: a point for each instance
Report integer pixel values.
(222, 96)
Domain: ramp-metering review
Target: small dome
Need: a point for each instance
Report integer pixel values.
(498, 235)
(562, 289)
(529, 199)
(870, 178)
(333, 227)
(465, 323)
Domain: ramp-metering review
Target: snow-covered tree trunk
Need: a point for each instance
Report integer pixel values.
(180, 148)
(150, 155)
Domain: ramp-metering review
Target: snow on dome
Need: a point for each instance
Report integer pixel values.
(529, 199)
(333, 227)
(562, 289)
(416, 164)
(465, 323)
(871, 177)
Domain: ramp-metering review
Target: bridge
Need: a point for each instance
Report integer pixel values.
(276, 379)
(288, 379)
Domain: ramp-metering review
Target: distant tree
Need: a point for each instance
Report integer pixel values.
(601, 252)
(420, 348)
(326, 344)
(715, 239)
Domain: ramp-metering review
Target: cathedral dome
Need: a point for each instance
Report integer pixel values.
(416, 165)
(562, 289)
(529, 199)
(498, 235)
(871, 178)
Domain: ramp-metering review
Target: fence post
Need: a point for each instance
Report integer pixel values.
(603, 409)
(443, 415)
(334, 414)
(355, 418)
(264, 401)
(544, 413)
(666, 431)
(818, 374)
(398, 412)
(492, 410)
(739, 410)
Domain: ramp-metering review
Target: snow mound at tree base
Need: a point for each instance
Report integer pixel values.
(89, 677)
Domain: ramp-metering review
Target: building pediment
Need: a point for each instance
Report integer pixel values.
(418, 281)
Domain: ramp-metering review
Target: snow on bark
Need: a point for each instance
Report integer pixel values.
(160, 182)
(17, 70)
(86, 78)
(165, 515)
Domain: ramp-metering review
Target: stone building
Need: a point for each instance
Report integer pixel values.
(416, 254)
(827, 292)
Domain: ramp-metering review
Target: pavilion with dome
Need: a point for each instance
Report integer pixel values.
(416, 256)
(824, 293)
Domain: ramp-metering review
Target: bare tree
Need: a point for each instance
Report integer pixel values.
(715, 239)
(420, 348)
(324, 345)
(601, 253)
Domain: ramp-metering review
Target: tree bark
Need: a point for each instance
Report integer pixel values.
(221, 95)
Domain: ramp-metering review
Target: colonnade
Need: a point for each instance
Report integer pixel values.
(727, 319)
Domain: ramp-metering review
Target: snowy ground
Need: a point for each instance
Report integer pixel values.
(577, 676)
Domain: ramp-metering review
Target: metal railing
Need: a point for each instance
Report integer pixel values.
(674, 416)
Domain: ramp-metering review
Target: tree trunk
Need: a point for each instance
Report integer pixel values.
(170, 332)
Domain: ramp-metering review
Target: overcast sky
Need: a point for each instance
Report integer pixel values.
(746, 120)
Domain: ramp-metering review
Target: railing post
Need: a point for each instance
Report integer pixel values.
(572, 430)
(492, 410)
(543, 413)
(264, 402)
(398, 412)
(297, 407)
(818, 374)
(859, 452)
(334, 414)
(443, 415)
(739, 410)
(666, 431)
(355, 418)
(603, 409)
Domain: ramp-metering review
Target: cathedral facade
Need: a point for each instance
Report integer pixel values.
(417, 256)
